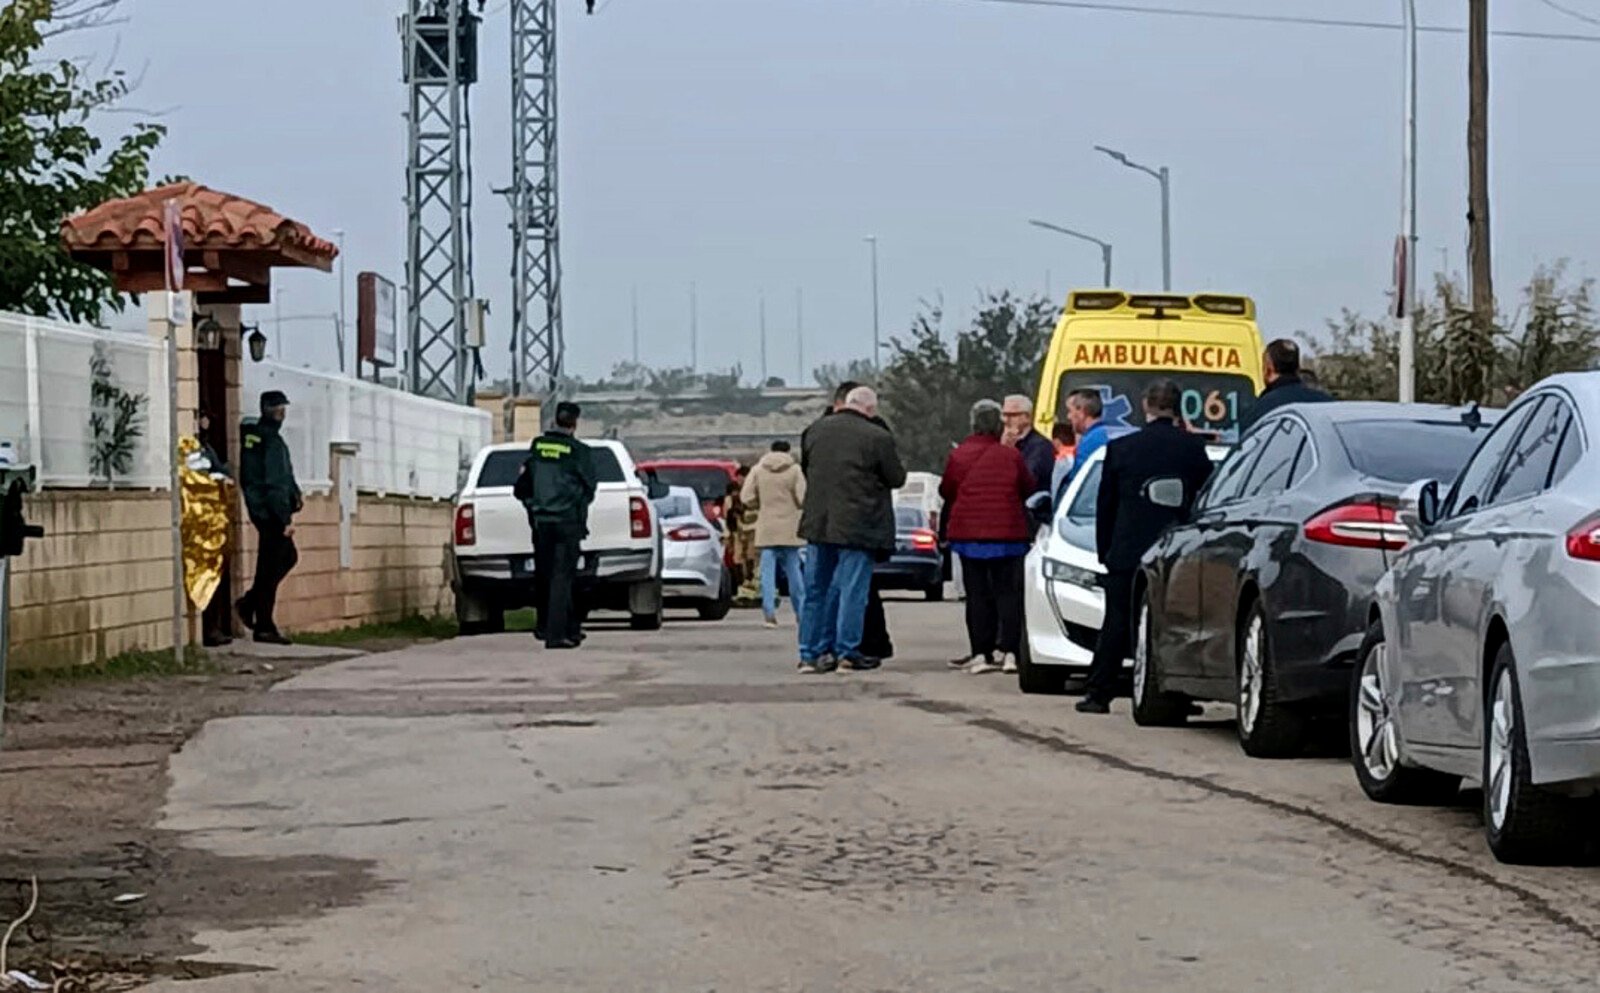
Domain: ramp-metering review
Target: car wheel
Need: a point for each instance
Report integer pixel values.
(1152, 708)
(1047, 679)
(935, 593)
(1268, 728)
(478, 617)
(1525, 824)
(717, 609)
(1375, 736)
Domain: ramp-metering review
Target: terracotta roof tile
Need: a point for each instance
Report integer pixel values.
(211, 220)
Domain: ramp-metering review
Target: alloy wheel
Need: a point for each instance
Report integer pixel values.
(1502, 728)
(1375, 729)
(1250, 674)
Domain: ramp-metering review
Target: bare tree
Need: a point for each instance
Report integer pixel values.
(82, 15)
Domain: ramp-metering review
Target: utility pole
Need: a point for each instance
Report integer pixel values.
(635, 301)
(694, 329)
(1407, 302)
(877, 345)
(763, 306)
(1479, 259)
(800, 336)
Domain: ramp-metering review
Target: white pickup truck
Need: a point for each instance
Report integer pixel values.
(492, 545)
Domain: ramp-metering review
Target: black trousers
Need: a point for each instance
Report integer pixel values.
(1116, 636)
(555, 578)
(275, 558)
(994, 603)
(875, 640)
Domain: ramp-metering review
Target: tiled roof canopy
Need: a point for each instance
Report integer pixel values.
(230, 244)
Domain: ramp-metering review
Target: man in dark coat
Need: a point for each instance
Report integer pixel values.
(1281, 370)
(1128, 522)
(556, 486)
(271, 497)
(1037, 451)
(851, 466)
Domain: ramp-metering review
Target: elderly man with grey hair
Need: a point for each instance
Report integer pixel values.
(1037, 450)
(852, 467)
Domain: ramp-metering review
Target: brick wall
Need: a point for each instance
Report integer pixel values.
(100, 583)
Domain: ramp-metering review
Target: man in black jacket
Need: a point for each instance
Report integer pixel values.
(271, 497)
(556, 486)
(1281, 369)
(1128, 522)
(852, 467)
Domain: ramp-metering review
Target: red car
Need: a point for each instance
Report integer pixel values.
(709, 478)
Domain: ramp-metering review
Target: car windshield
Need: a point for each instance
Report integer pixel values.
(1210, 401)
(1406, 451)
(907, 518)
(1083, 504)
(501, 468)
(708, 482)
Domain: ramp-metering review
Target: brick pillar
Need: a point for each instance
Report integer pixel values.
(156, 324)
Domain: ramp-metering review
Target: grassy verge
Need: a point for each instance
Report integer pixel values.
(414, 628)
(131, 665)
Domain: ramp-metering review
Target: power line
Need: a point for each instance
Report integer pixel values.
(1323, 22)
(1575, 14)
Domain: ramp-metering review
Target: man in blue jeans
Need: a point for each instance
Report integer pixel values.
(852, 468)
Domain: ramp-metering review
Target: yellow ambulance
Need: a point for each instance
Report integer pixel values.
(1117, 343)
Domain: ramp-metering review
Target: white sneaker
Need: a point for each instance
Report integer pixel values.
(1008, 663)
(772, 622)
(981, 665)
(964, 663)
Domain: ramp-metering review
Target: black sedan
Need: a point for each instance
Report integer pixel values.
(917, 563)
(1263, 597)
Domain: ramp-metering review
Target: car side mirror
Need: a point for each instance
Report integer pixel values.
(1165, 492)
(1419, 507)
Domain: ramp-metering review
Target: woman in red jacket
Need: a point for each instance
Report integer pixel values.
(985, 485)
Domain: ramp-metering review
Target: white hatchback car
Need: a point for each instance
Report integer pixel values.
(1062, 602)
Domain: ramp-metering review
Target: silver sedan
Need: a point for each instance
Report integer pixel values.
(692, 574)
(1483, 661)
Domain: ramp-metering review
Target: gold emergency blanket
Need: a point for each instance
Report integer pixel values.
(205, 525)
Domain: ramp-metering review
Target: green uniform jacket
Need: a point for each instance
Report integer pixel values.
(558, 481)
(266, 474)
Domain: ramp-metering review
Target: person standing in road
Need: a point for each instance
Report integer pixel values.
(987, 483)
(1285, 385)
(1084, 408)
(776, 489)
(557, 486)
(852, 467)
(1128, 522)
(1036, 449)
(271, 498)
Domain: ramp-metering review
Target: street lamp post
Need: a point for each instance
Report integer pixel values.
(1164, 177)
(877, 345)
(339, 234)
(1407, 302)
(1105, 246)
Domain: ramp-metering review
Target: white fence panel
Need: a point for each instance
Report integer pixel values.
(409, 445)
(49, 410)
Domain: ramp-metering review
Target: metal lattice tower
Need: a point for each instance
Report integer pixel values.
(440, 66)
(537, 344)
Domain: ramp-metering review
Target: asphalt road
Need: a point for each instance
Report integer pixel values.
(682, 812)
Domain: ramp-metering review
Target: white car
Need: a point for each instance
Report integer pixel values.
(693, 573)
(1063, 605)
(492, 545)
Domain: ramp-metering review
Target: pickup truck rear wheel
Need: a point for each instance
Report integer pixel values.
(645, 610)
(475, 616)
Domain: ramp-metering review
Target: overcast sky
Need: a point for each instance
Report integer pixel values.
(750, 146)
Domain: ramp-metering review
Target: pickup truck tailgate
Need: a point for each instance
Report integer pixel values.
(610, 525)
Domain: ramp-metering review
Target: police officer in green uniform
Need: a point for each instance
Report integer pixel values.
(266, 475)
(556, 486)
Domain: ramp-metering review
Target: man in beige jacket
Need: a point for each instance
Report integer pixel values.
(777, 489)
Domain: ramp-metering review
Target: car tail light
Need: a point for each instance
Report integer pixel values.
(466, 524)
(639, 517)
(689, 532)
(1360, 524)
(924, 540)
(1583, 541)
